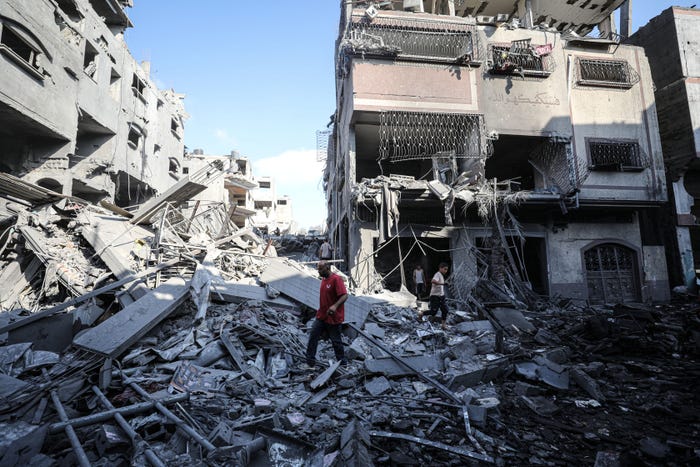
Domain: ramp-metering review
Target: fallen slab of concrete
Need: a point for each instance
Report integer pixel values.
(306, 289)
(112, 337)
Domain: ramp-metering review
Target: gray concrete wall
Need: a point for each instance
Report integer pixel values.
(70, 100)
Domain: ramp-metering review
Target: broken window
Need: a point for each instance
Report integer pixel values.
(615, 155)
(139, 87)
(264, 184)
(135, 135)
(175, 127)
(609, 73)
(185, 170)
(69, 8)
(19, 49)
(173, 165)
(437, 41)
(521, 57)
(90, 60)
(422, 135)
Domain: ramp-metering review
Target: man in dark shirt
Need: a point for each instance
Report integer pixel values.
(330, 314)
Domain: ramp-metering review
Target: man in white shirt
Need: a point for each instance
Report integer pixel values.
(437, 296)
(325, 252)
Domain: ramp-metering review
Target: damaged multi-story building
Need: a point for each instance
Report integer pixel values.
(498, 137)
(670, 41)
(78, 114)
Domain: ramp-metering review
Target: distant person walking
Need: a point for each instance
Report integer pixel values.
(437, 296)
(330, 314)
(325, 251)
(419, 281)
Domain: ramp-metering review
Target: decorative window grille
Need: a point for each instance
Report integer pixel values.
(557, 161)
(425, 41)
(616, 155)
(423, 135)
(608, 73)
(521, 57)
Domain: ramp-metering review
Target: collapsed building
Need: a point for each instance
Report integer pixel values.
(670, 42)
(78, 115)
(498, 137)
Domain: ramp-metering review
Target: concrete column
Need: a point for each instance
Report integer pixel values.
(528, 14)
(684, 203)
(626, 19)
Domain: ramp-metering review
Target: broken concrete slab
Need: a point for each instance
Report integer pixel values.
(115, 335)
(116, 242)
(468, 326)
(186, 188)
(390, 367)
(19, 442)
(378, 386)
(305, 289)
(325, 376)
(239, 293)
(587, 383)
(510, 318)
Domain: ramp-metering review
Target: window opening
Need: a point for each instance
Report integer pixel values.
(264, 184)
(134, 137)
(139, 86)
(609, 73)
(616, 155)
(19, 46)
(90, 60)
(69, 8)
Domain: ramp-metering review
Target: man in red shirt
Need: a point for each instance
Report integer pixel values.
(330, 314)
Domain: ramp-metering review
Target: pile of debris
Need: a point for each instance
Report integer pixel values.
(180, 341)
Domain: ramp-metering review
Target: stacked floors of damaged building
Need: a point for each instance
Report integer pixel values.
(478, 138)
(78, 114)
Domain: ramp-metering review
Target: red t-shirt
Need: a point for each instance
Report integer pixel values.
(332, 288)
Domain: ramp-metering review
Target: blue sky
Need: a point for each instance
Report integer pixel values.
(259, 78)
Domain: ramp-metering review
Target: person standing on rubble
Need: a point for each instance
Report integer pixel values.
(325, 251)
(330, 314)
(419, 281)
(437, 296)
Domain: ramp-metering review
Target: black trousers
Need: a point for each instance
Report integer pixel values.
(317, 330)
(437, 302)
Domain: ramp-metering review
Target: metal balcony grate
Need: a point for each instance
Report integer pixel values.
(386, 38)
(609, 73)
(521, 57)
(413, 135)
(616, 155)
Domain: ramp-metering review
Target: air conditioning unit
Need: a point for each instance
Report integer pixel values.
(413, 5)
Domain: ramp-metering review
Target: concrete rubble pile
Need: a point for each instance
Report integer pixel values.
(138, 348)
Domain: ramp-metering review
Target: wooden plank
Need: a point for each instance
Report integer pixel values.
(115, 335)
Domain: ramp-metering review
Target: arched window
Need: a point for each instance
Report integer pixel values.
(50, 184)
(612, 273)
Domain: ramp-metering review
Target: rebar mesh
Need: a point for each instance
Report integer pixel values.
(413, 135)
(617, 155)
(556, 160)
(444, 42)
(520, 57)
(611, 73)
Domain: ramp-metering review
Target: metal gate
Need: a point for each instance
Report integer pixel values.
(611, 272)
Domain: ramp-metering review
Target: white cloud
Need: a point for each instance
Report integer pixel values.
(291, 167)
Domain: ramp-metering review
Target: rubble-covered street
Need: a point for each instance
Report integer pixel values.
(138, 344)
